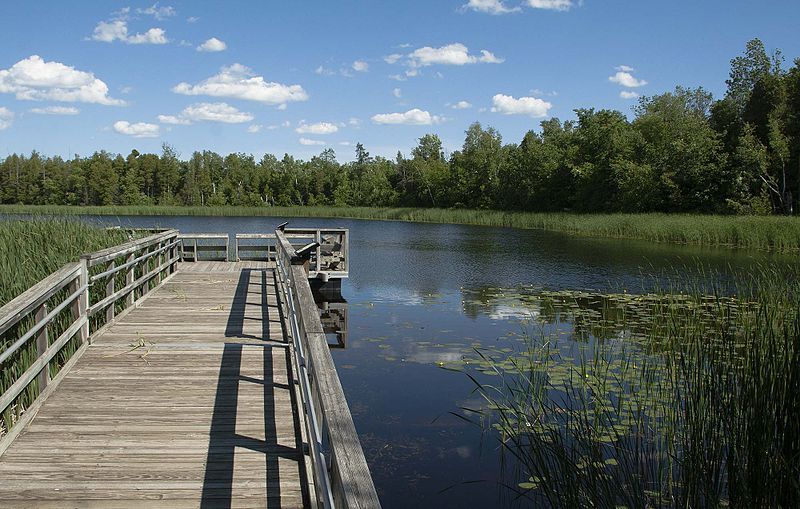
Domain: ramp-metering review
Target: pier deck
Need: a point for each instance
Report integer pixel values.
(188, 400)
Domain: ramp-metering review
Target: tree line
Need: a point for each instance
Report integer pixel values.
(682, 152)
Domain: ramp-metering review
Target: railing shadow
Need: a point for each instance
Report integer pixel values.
(220, 480)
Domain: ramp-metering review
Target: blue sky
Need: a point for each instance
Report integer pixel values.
(301, 76)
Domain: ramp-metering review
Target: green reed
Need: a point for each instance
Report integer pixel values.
(695, 405)
(778, 233)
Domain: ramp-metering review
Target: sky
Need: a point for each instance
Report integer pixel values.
(299, 77)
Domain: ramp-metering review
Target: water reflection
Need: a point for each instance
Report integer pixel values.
(333, 312)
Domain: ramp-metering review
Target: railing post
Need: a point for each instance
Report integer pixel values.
(158, 261)
(109, 291)
(129, 277)
(318, 239)
(81, 304)
(42, 342)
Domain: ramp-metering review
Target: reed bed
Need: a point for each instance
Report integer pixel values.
(30, 251)
(776, 233)
(695, 404)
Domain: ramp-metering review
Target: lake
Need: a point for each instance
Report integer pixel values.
(423, 296)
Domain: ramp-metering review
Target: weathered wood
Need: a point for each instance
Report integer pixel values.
(125, 249)
(131, 260)
(110, 291)
(130, 298)
(19, 307)
(42, 342)
(109, 300)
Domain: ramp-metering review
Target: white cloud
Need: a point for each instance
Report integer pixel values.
(306, 141)
(207, 112)
(56, 110)
(509, 105)
(324, 71)
(625, 94)
(461, 105)
(360, 66)
(410, 117)
(626, 79)
(318, 128)
(6, 118)
(451, 54)
(157, 12)
(354, 122)
(213, 45)
(624, 68)
(555, 5)
(137, 130)
(239, 82)
(152, 36)
(393, 58)
(489, 6)
(192, 19)
(34, 79)
(254, 128)
(397, 93)
(117, 30)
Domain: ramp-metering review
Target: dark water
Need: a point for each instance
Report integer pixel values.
(417, 297)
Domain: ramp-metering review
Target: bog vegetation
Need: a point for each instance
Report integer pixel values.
(682, 152)
(677, 399)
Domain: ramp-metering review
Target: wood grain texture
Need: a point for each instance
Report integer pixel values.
(187, 400)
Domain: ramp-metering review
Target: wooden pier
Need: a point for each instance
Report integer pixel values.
(192, 383)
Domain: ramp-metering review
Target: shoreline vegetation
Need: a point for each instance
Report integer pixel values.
(773, 233)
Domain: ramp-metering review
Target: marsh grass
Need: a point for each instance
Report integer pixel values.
(777, 233)
(695, 406)
(29, 252)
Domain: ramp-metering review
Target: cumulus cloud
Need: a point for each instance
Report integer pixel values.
(554, 5)
(393, 58)
(212, 45)
(207, 112)
(56, 110)
(531, 106)
(360, 66)
(6, 118)
(461, 105)
(624, 68)
(397, 93)
(410, 117)
(117, 30)
(192, 19)
(254, 128)
(451, 54)
(34, 79)
(625, 94)
(318, 128)
(489, 6)
(306, 141)
(239, 82)
(157, 12)
(626, 79)
(137, 130)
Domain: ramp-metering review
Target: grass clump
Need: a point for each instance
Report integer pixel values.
(777, 233)
(694, 405)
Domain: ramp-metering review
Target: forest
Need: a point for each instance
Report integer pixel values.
(683, 151)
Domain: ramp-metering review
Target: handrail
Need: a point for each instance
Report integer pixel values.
(143, 261)
(342, 479)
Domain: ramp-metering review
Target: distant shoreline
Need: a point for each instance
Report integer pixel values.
(773, 233)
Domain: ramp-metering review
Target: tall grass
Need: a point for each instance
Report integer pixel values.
(29, 252)
(778, 233)
(699, 410)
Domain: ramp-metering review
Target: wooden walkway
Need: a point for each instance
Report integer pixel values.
(188, 400)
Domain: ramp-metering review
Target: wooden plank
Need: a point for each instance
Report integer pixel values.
(125, 249)
(19, 307)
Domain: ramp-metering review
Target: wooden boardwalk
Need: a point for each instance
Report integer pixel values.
(188, 400)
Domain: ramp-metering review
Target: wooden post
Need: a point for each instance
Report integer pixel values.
(42, 342)
(110, 290)
(81, 304)
(318, 239)
(129, 277)
(158, 261)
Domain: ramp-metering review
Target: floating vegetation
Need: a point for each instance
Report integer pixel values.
(658, 400)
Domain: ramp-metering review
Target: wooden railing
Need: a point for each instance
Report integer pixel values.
(69, 303)
(341, 476)
(213, 246)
